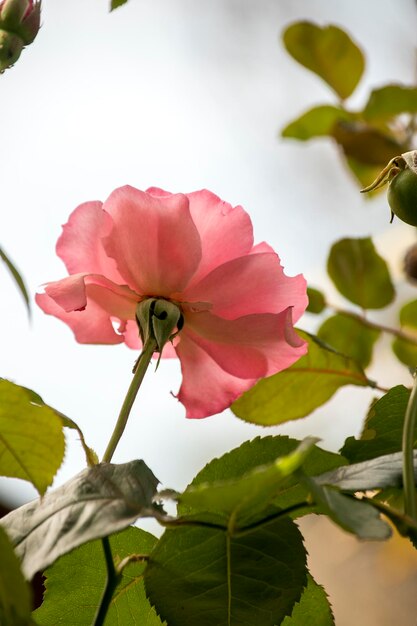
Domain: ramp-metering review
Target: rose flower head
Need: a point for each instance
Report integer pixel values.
(19, 25)
(196, 251)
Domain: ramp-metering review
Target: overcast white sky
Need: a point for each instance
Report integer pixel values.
(182, 95)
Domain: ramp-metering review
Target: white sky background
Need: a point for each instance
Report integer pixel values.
(179, 94)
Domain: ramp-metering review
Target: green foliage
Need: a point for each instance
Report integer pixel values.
(32, 442)
(379, 473)
(317, 122)
(389, 101)
(404, 350)
(353, 515)
(349, 336)
(95, 503)
(17, 278)
(115, 4)
(320, 373)
(382, 431)
(316, 301)
(259, 452)
(90, 455)
(15, 594)
(74, 585)
(368, 139)
(204, 576)
(242, 500)
(313, 608)
(328, 52)
(360, 274)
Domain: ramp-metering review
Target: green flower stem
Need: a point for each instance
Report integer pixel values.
(139, 373)
(410, 504)
(111, 584)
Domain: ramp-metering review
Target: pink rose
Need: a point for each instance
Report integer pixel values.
(197, 251)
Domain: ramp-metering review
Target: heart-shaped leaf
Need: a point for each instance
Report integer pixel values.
(360, 274)
(329, 52)
(203, 576)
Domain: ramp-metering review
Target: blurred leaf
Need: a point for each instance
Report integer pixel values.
(316, 300)
(353, 515)
(365, 175)
(405, 525)
(204, 576)
(17, 277)
(248, 457)
(382, 432)
(15, 593)
(95, 503)
(32, 442)
(75, 583)
(366, 144)
(404, 350)
(379, 473)
(360, 274)
(317, 122)
(245, 498)
(328, 52)
(313, 608)
(115, 4)
(389, 101)
(319, 374)
(349, 336)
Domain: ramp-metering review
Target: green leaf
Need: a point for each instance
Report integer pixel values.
(379, 473)
(75, 583)
(353, 515)
(382, 432)
(244, 499)
(329, 52)
(260, 452)
(316, 300)
(319, 374)
(313, 608)
(203, 576)
(17, 278)
(360, 274)
(404, 350)
(95, 503)
(32, 442)
(349, 336)
(90, 455)
(15, 594)
(366, 144)
(317, 122)
(390, 101)
(115, 4)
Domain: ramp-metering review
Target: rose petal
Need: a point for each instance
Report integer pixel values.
(80, 246)
(92, 325)
(154, 242)
(251, 284)
(71, 295)
(206, 388)
(252, 346)
(226, 232)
